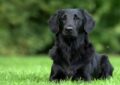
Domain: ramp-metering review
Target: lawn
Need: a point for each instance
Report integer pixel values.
(35, 70)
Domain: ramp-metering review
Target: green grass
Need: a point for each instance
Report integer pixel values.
(35, 71)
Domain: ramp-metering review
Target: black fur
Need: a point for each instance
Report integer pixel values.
(73, 55)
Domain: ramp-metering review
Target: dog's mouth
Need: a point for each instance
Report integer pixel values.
(69, 34)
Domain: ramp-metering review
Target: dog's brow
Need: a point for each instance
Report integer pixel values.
(64, 16)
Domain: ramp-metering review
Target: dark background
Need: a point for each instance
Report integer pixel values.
(24, 25)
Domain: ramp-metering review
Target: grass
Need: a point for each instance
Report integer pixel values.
(35, 71)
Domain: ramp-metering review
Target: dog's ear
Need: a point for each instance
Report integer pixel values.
(54, 22)
(89, 23)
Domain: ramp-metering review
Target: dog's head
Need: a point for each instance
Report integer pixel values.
(71, 22)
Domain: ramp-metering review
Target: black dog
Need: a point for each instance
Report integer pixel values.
(73, 55)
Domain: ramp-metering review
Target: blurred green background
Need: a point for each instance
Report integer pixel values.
(24, 28)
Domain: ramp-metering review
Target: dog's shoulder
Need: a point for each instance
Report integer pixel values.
(54, 53)
(53, 50)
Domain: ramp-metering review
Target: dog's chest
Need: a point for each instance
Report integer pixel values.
(71, 56)
(72, 60)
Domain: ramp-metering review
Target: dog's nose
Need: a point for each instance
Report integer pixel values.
(69, 29)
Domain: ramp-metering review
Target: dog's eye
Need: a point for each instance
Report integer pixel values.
(76, 17)
(63, 17)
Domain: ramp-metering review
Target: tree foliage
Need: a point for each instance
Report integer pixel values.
(24, 28)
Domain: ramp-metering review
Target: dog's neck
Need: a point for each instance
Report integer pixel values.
(70, 47)
(82, 39)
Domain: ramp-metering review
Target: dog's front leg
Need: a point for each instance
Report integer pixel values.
(86, 76)
(86, 73)
(57, 73)
(82, 75)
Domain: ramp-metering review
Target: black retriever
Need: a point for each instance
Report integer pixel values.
(73, 55)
